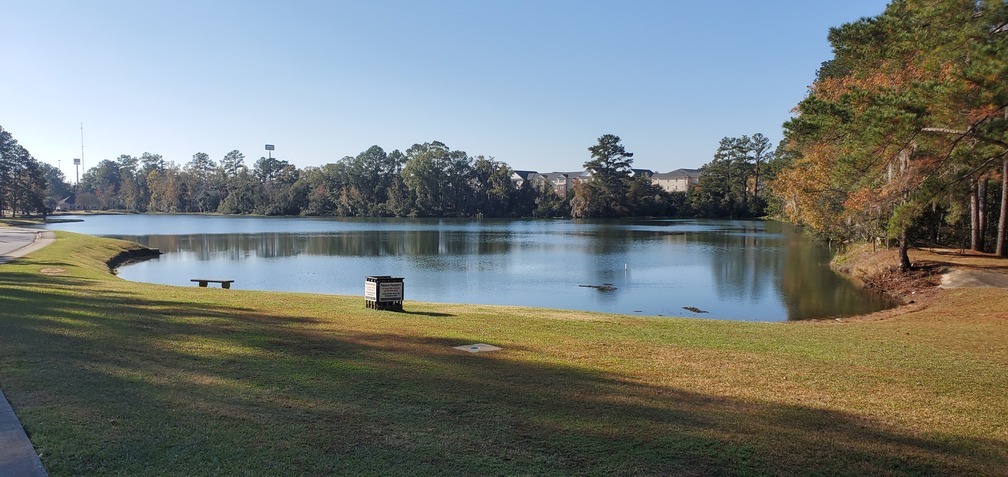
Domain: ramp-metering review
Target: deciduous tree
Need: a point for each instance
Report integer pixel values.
(868, 127)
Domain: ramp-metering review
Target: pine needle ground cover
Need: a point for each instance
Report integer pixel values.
(115, 377)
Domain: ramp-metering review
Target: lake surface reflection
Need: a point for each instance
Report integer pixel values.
(742, 270)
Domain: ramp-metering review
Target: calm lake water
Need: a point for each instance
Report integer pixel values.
(740, 270)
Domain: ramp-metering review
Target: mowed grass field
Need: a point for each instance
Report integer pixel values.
(111, 377)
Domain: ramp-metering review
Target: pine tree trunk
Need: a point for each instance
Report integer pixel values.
(974, 217)
(904, 249)
(982, 213)
(1002, 247)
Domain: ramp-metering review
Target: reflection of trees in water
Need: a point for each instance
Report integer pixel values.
(612, 248)
(809, 292)
(358, 244)
(744, 260)
(749, 261)
(747, 256)
(611, 240)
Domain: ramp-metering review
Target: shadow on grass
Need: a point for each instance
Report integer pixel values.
(426, 313)
(969, 259)
(134, 385)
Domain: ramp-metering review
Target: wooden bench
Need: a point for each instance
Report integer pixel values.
(203, 282)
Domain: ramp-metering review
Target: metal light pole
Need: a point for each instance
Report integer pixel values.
(78, 161)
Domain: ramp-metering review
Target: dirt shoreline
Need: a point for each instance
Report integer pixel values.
(935, 270)
(131, 256)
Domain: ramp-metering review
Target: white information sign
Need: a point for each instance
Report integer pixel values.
(370, 291)
(391, 291)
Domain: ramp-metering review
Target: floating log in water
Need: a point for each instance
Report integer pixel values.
(694, 309)
(602, 287)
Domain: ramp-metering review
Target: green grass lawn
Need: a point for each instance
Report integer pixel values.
(121, 378)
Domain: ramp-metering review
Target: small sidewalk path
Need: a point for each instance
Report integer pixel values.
(17, 456)
(960, 278)
(17, 242)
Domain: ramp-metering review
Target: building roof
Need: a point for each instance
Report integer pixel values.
(679, 174)
(526, 175)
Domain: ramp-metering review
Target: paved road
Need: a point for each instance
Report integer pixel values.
(17, 242)
(17, 456)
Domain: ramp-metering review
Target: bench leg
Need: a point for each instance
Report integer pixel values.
(225, 285)
(203, 284)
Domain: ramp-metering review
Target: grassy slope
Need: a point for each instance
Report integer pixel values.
(113, 377)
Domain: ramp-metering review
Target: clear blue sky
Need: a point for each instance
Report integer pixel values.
(531, 83)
